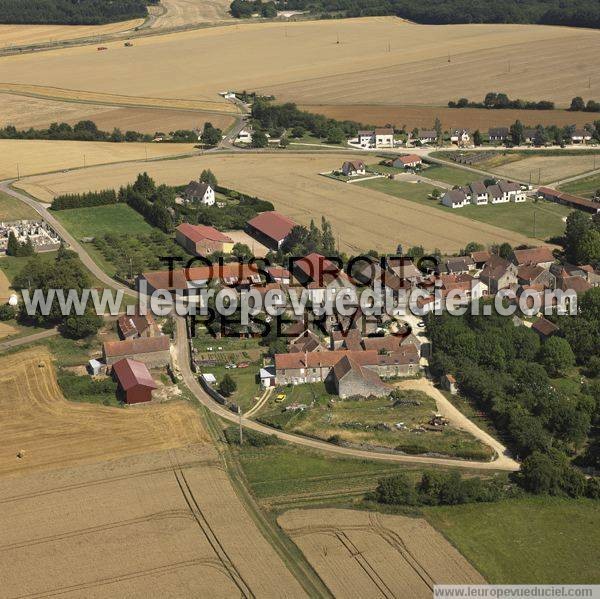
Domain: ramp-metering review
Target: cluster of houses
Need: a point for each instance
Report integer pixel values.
(502, 134)
(141, 346)
(480, 194)
(41, 235)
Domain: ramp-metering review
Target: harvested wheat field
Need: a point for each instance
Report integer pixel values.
(365, 554)
(546, 169)
(42, 156)
(177, 13)
(302, 61)
(5, 290)
(423, 117)
(364, 219)
(23, 35)
(52, 432)
(161, 524)
(24, 112)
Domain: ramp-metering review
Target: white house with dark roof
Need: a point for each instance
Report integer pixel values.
(455, 198)
(479, 193)
(377, 138)
(511, 192)
(353, 167)
(462, 137)
(199, 192)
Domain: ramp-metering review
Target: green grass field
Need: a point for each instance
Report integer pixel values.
(12, 266)
(13, 209)
(586, 187)
(114, 218)
(286, 473)
(514, 217)
(452, 176)
(529, 540)
(368, 423)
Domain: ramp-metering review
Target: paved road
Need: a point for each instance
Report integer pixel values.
(183, 359)
(68, 238)
(28, 339)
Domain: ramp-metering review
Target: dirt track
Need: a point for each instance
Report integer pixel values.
(363, 554)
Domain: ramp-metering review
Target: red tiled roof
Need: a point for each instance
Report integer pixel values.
(178, 279)
(136, 346)
(278, 272)
(569, 198)
(273, 225)
(409, 159)
(534, 255)
(131, 373)
(198, 233)
(545, 327)
(319, 269)
(135, 323)
(348, 364)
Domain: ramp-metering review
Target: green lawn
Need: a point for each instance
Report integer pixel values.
(514, 217)
(289, 473)
(114, 218)
(12, 266)
(13, 209)
(368, 423)
(417, 192)
(452, 176)
(529, 540)
(585, 187)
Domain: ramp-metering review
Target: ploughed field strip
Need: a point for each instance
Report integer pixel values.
(373, 555)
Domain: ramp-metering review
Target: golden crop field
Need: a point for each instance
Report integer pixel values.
(53, 433)
(119, 502)
(302, 61)
(367, 554)
(24, 112)
(423, 117)
(547, 169)
(42, 156)
(188, 12)
(364, 219)
(20, 35)
(12, 209)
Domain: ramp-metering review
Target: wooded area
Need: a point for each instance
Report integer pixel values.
(71, 12)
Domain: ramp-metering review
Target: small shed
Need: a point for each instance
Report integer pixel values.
(134, 380)
(267, 376)
(449, 383)
(209, 378)
(95, 367)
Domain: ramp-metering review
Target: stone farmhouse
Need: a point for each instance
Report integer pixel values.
(498, 134)
(137, 325)
(427, 136)
(461, 137)
(152, 351)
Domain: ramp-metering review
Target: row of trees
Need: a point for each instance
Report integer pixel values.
(84, 200)
(72, 12)
(88, 131)
(578, 105)
(551, 134)
(497, 100)
(582, 238)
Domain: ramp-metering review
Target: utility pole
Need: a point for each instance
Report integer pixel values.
(534, 213)
(539, 175)
(84, 161)
(146, 151)
(509, 66)
(389, 47)
(18, 173)
(241, 433)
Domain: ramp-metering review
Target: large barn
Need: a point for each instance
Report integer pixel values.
(270, 228)
(134, 380)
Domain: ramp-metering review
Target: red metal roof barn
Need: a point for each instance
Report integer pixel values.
(135, 381)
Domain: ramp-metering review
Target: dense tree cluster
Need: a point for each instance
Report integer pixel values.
(72, 12)
(65, 273)
(579, 105)
(575, 13)
(243, 9)
(151, 201)
(582, 238)
(277, 117)
(439, 487)
(551, 134)
(18, 248)
(501, 101)
(84, 200)
(507, 372)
